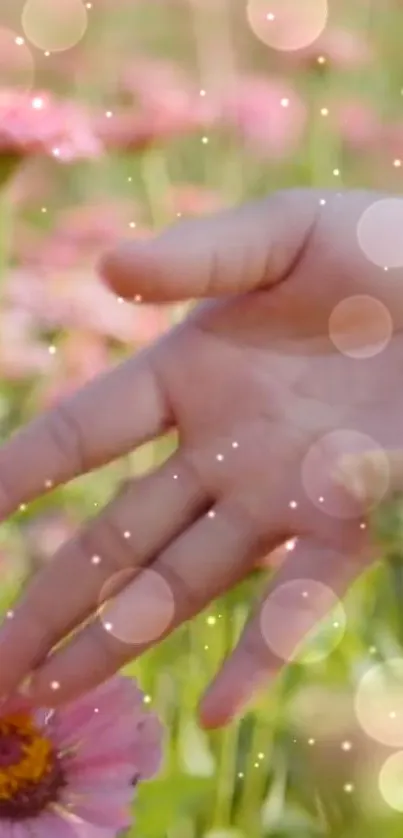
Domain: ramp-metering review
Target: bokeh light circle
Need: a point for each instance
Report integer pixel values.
(379, 702)
(54, 27)
(391, 781)
(141, 612)
(322, 461)
(379, 233)
(303, 617)
(17, 69)
(360, 326)
(287, 25)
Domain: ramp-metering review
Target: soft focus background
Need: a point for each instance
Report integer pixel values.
(116, 118)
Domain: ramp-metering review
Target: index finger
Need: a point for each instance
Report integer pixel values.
(111, 415)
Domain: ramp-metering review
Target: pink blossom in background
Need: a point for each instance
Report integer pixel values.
(71, 773)
(22, 354)
(267, 113)
(79, 300)
(39, 124)
(356, 122)
(342, 48)
(189, 199)
(165, 104)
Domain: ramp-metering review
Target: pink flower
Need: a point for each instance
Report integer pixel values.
(38, 124)
(268, 114)
(71, 773)
(356, 122)
(344, 49)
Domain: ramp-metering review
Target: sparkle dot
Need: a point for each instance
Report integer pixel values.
(44, 209)
(290, 544)
(211, 621)
(52, 350)
(220, 458)
(397, 163)
(285, 103)
(293, 504)
(322, 202)
(22, 507)
(204, 140)
(392, 714)
(108, 114)
(256, 765)
(120, 300)
(206, 648)
(175, 476)
(108, 626)
(240, 774)
(321, 499)
(48, 484)
(346, 746)
(363, 525)
(56, 152)
(46, 54)
(89, 5)
(127, 534)
(324, 111)
(37, 103)
(372, 650)
(202, 93)
(311, 741)
(129, 179)
(235, 445)
(270, 16)
(179, 215)
(138, 298)
(348, 788)
(336, 172)
(96, 709)
(10, 615)
(211, 514)
(260, 756)
(305, 594)
(321, 59)
(19, 41)
(147, 699)
(132, 224)
(55, 685)
(95, 559)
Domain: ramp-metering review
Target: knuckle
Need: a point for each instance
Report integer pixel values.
(106, 538)
(65, 431)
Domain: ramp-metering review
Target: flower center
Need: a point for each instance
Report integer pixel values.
(30, 772)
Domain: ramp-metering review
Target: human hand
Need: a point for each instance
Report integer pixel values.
(250, 381)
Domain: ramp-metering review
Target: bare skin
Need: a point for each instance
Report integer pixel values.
(250, 381)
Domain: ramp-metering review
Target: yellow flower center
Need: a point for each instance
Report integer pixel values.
(30, 773)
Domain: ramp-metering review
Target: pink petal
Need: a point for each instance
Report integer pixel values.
(103, 810)
(52, 825)
(82, 777)
(6, 831)
(119, 693)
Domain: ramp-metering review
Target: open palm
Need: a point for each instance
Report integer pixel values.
(268, 385)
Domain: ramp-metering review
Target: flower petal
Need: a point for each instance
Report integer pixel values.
(105, 810)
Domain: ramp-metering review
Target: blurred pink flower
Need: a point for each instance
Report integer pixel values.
(71, 773)
(164, 104)
(356, 122)
(344, 49)
(191, 199)
(40, 124)
(78, 300)
(268, 114)
(22, 354)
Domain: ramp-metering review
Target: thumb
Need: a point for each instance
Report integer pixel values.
(233, 252)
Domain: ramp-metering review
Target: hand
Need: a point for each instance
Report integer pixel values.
(250, 381)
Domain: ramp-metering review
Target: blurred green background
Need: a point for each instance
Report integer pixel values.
(329, 115)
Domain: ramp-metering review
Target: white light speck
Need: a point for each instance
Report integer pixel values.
(120, 300)
(108, 626)
(220, 457)
(346, 746)
(321, 59)
(138, 298)
(321, 499)
(52, 350)
(95, 559)
(293, 504)
(348, 788)
(240, 774)
(204, 140)
(175, 476)
(22, 507)
(290, 544)
(56, 152)
(19, 41)
(55, 685)
(44, 209)
(285, 103)
(211, 621)
(397, 163)
(305, 594)
(311, 741)
(127, 534)
(363, 525)
(108, 114)
(392, 714)
(202, 93)
(48, 484)
(336, 172)
(147, 699)
(324, 111)
(235, 445)
(37, 103)
(270, 16)
(322, 202)
(10, 615)
(211, 514)
(96, 709)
